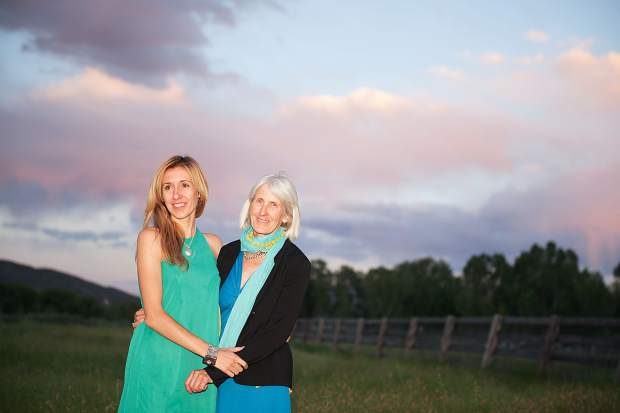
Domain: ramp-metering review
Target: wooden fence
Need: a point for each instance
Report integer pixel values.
(593, 341)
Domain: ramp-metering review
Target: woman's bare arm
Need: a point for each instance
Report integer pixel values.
(149, 257)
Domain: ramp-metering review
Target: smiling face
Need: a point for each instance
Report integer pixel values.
(179, 193)
(266, 212)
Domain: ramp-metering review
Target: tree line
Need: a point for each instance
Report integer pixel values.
(541, 281)
(20, 299)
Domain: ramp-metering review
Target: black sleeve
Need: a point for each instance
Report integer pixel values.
(282, 320)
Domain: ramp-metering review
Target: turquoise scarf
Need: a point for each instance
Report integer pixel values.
(271, 244)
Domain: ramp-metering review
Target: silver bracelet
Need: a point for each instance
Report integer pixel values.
(211, 357)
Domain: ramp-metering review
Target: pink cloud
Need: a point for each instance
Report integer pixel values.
(365, 146)
(585, 202)
(595, 79)
(96, 84)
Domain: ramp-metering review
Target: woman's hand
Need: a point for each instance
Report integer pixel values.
(197, 381)
(138, 318)
(230, 363)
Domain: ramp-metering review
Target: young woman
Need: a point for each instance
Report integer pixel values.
(179, 286)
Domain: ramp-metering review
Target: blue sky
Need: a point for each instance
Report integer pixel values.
(410, 128)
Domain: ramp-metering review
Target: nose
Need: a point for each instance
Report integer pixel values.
(175, 193)
(263, 209)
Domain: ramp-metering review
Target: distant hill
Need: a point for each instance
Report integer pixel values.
(41, 279)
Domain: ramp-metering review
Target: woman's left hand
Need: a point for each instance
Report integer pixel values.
(197, 381)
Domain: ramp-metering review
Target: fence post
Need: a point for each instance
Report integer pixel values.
(359, 331)
(319, 331)
(411, 332)
(336, 334)
(492, 341)
(550, 337)
(446, 338)
(381, 337)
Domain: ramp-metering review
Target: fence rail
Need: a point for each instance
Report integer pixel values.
(593, 341)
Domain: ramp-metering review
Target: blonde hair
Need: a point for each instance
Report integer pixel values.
(157, 215)
(282, 187)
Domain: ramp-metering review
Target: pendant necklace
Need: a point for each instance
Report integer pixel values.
(187, 249)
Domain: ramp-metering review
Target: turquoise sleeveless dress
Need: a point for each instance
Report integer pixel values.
(156, 368)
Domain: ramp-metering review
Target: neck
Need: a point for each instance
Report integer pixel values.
(186, 225)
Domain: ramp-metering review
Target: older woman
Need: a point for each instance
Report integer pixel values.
(179, 291)
(264, 278)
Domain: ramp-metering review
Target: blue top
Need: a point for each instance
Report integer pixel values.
(231, 290)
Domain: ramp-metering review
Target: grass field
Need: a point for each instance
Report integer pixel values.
(75, 368)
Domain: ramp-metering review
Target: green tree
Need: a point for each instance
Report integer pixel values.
(422, 287)
(317, 299)
(347, 293)
(481, 292)
(548, 281)
(383, 293)
(18, 299)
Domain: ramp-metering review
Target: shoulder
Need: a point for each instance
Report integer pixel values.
(297, 258)
(228, 253)
(232, 247)
(148, 236)
(148, 241)
(214, 242)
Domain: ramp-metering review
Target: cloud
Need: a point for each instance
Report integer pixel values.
(510, 222)
(363, 99)
(140, 40)
(491, 58)
(537, 36)
(107, 225)
(95, 84)
(447, 73)
(576, 87)
(593, 78)
(382, 176)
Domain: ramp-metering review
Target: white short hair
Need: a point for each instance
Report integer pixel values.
(284, 190)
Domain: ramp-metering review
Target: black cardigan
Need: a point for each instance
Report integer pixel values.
(271, 320)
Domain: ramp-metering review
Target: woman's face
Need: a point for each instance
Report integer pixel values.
(179, 193)
(266, 211)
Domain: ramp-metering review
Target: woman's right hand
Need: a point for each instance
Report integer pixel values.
(138, 318)
(230, 363)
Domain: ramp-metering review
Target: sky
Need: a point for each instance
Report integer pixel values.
(410, 129)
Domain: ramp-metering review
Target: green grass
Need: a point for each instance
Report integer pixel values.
(75, 368)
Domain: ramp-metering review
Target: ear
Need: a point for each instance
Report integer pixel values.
(286, 220)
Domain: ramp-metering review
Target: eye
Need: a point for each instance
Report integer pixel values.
(273, 204)
(167, 187)
(186, 185)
